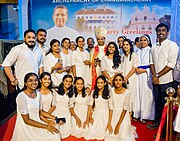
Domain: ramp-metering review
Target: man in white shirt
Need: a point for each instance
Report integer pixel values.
(60, 30)
(26, 57)
(41, 39)
(162, 62)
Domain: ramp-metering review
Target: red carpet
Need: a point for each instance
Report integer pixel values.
(144, 134)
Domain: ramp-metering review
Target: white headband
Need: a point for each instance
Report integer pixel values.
(145, 37)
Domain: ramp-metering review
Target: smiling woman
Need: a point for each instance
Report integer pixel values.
(111, 62)
(28, 124)
(56, 63)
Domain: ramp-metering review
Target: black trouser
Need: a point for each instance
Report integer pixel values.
(159, 92)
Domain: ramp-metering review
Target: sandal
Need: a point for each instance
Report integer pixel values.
(143, 121)
(135, 119)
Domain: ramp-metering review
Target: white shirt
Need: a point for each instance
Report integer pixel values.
(43, 49)
(25, 60)
(164, 55)
(61, 32)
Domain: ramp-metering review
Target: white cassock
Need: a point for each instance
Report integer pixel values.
(49, 62)
(145, 96)
(101, 53)
(133, 80)
(61, 32)
(82, 70)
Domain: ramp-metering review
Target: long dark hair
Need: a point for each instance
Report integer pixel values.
(26, 77)
(77, 39)
(63, 40)
(116, 56)
(123, 84)
(131, 47)
(61, 90)
(83, 89)
(48, 74)
(52, 43)
(105, 94)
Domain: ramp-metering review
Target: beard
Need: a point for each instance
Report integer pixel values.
(30, 46)
(41, 42)
(90, 46)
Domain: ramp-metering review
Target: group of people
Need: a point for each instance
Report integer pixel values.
(94, 92)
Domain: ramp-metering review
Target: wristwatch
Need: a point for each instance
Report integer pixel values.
(157, 75)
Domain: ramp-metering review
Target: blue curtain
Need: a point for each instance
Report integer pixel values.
(175, 21)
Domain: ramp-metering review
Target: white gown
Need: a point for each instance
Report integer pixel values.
(48, 100)
(100, 116)
(146, 105)
(80, 107)
(69, 57)
(133, 80)
(106, 65)
(82, 70)
(127, 131)
(24, 132)
(62, 110)
(49, 62)
(177, 122)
